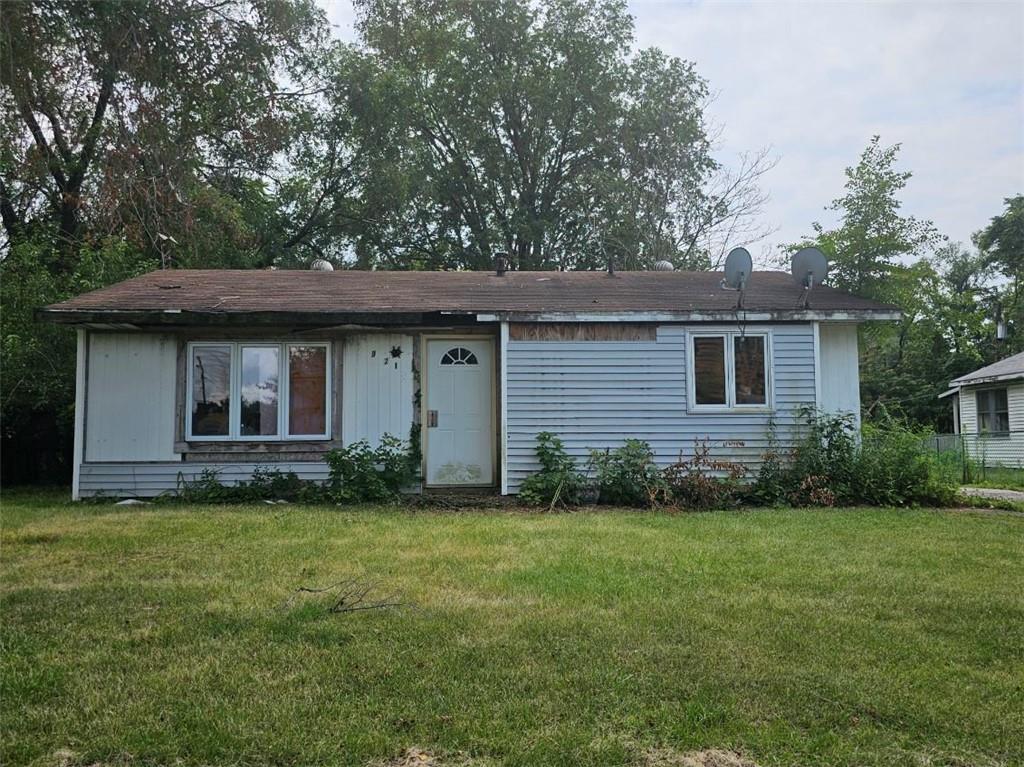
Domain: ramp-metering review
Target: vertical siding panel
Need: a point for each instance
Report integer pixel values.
(129, 414)
(376, 389)
(840, 373)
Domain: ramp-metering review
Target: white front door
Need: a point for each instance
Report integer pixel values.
(460, 412)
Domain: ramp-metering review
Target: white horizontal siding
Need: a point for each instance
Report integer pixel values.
(147, 480)
(1006, 450)
(596, 395)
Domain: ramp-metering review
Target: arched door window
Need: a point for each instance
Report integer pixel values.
(458, 356)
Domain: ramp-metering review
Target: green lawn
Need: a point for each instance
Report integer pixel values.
(173, 635)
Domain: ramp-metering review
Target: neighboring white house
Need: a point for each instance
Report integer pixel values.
(181, 371)
(988, 412)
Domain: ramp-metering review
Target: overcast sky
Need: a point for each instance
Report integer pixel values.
(816, 80)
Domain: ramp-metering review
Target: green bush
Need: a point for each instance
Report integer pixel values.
(895, 468)
(360, 473)
(265, 485)
(558, 483)
(887, 464)
(628, 476)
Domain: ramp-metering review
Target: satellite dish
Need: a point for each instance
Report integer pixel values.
(809, 267)
(738, 266)
(663, 266)
(322, 265)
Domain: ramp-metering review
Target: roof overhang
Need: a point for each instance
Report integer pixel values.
(961, 382)
(179, 317)
(789, 315)
(949, 393)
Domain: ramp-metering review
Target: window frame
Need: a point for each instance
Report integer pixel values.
(977, 412)
(287, 386)
(730, 405)
(234, 434)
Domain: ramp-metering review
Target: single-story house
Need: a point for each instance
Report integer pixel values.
(181, 371)
(988, 412)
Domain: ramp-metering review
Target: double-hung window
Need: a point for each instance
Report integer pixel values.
(258, 391)
(729, 371)
(993, 411)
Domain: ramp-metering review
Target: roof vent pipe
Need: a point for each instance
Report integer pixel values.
(611, 267)
(499, 263)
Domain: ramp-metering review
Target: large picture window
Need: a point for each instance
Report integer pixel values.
(993, 411)
(258, 391)
(729, 370)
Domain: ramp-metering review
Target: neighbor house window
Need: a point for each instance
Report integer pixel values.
(993, 411)
(258, 391)
(729, 370)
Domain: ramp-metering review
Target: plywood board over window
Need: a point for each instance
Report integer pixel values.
(581, 331)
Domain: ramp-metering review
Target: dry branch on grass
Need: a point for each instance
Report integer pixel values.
(348, 596)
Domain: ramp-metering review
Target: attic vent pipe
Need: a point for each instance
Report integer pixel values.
(499, 263)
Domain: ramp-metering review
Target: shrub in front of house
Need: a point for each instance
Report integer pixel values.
(266, 484)
(363, 474)
(558, 483)
(704, 482)
(887, 464)
(358, 474)
(628, 476)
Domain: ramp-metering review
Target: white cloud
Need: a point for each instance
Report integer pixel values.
(817, 80)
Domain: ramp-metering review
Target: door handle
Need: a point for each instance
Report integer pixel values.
(431, 419)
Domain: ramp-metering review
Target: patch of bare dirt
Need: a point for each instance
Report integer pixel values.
(415, 757)
(712, 757)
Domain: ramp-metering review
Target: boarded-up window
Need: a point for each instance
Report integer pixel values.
(993, 411)
(211, 391)
(582, 331)
(260, 379)
(709, 370)
(307, 390)
(750, 370)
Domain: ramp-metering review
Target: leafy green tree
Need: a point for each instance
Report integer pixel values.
(873, 236)
(535, 129)
(125, 118)
(1002, 247)
(37, 385)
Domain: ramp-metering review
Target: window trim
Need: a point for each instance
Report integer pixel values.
(977, 413)
(234, 434)
(730, 405)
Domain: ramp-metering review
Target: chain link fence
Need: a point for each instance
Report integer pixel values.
(991, 458)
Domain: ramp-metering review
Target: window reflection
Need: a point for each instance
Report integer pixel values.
(259, 391)
(211, 391)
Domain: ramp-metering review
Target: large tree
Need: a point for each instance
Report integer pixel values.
(873, 236)
(536, 129)
(145, 119)
(1001, 244)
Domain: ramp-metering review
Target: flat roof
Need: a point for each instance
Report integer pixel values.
(239, 294)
